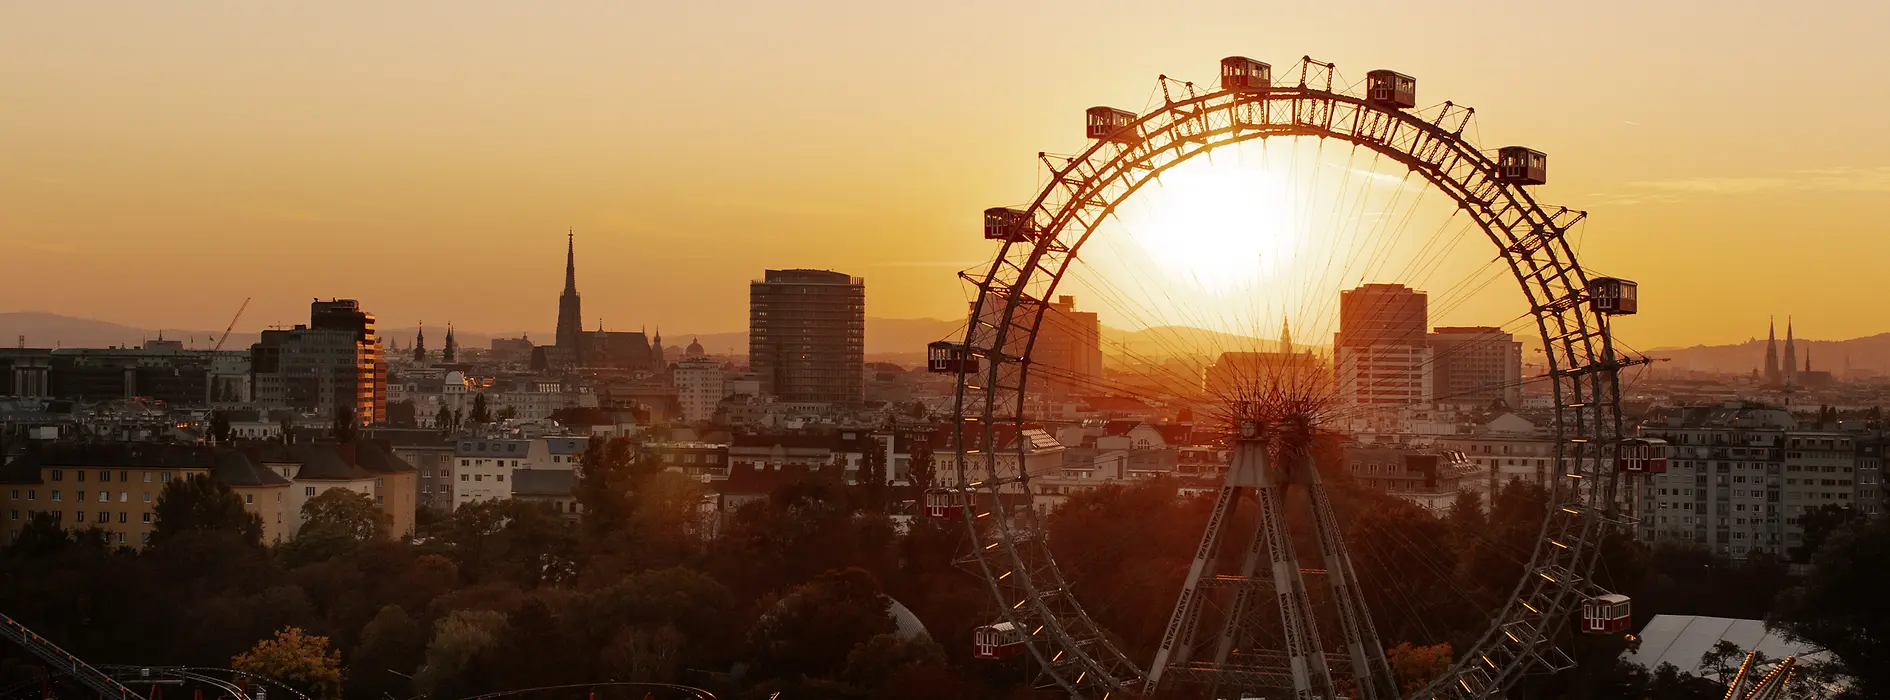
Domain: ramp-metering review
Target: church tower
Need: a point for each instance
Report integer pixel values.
(1286, 337)
(451, 353)
(420, 345)
(656, 351)
(1789, 370)
(570, 314)
(1771, 353)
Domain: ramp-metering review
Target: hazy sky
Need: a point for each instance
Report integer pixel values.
(161, 161)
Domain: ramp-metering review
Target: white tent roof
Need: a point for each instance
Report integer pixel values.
(1682, 639)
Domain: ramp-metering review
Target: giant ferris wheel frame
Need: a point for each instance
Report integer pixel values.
(989, 450)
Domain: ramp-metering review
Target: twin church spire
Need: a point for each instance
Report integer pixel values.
(1783, 372)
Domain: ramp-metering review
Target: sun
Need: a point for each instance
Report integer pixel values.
(1223, 224)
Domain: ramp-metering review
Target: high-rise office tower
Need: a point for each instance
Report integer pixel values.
(807, 336)
(331, 364)
(1380, 354)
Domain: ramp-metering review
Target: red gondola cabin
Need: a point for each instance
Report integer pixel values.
(1606, 614)
(998, 641)
(1110, 123)
(1643, 456)
(1612, 295)
(947, 357)
(1242, 73)
(1522, 166)
(1387, 88)
(944, 503)
(1006, 224)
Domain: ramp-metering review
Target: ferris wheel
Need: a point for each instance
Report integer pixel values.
(1198, 274)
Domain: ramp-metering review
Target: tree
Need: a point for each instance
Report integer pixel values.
(346, 427)
(479, 415)
(458, 641)
(1414, 666)
(1819, 523)
(400, 414)
(42, 535)
(812, 630)
(1840, 605)
(200, 504)
(298, 659)
(345, 512)
(919, 467)
(444, 419)
(220, 431)
(392, 641)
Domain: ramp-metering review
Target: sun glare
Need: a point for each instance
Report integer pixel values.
(1222, 224)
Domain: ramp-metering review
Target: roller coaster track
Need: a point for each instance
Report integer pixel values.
(58, 659)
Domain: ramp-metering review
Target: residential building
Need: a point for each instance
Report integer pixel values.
(482, 466)
(700, 387)
(807, 336)
(110, 486)
(1739, 478)
(1432, 479)
(553, 487)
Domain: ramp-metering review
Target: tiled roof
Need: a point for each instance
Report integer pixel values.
(235, 468)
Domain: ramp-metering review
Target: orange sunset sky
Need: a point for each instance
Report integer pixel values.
(159, 162)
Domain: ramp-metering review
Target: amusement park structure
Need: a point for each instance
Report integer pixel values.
(1040, 617)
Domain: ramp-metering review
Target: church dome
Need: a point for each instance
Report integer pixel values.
(694, 350)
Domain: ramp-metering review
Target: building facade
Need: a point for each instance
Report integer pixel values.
(1476, 366)
(807, 336)
(331, 364)
(1380, 354)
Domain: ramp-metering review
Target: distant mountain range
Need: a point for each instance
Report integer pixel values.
(1869, 353)
(884, 336)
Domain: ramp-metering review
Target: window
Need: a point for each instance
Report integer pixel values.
(249, 498)
(122, 516)
(78, 475)
(147, 517)
(58, 475)
(124, 476)
(147, 497)
(124, 496)
(164, 477)
(308, 490)
(104, 476)
(55, 494)
(465, 477)
(479, 477)
(498, 477)
(79, 516)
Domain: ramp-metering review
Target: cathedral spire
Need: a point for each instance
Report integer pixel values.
(570, 263)
(570, 310)
(420, 343)
(1772, 377)
(1286, 337)
(1788, 367)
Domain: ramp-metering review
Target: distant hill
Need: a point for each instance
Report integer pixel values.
(44, 330)
(1869, 353)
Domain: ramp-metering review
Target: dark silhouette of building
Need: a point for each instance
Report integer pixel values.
(1772, 376)
(570, 312)
(807, 335)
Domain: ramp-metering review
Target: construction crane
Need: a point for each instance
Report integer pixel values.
(232, 326)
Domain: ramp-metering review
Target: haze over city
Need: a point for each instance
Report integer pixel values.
(433, 154)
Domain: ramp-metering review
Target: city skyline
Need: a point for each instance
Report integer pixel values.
(262, 161)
